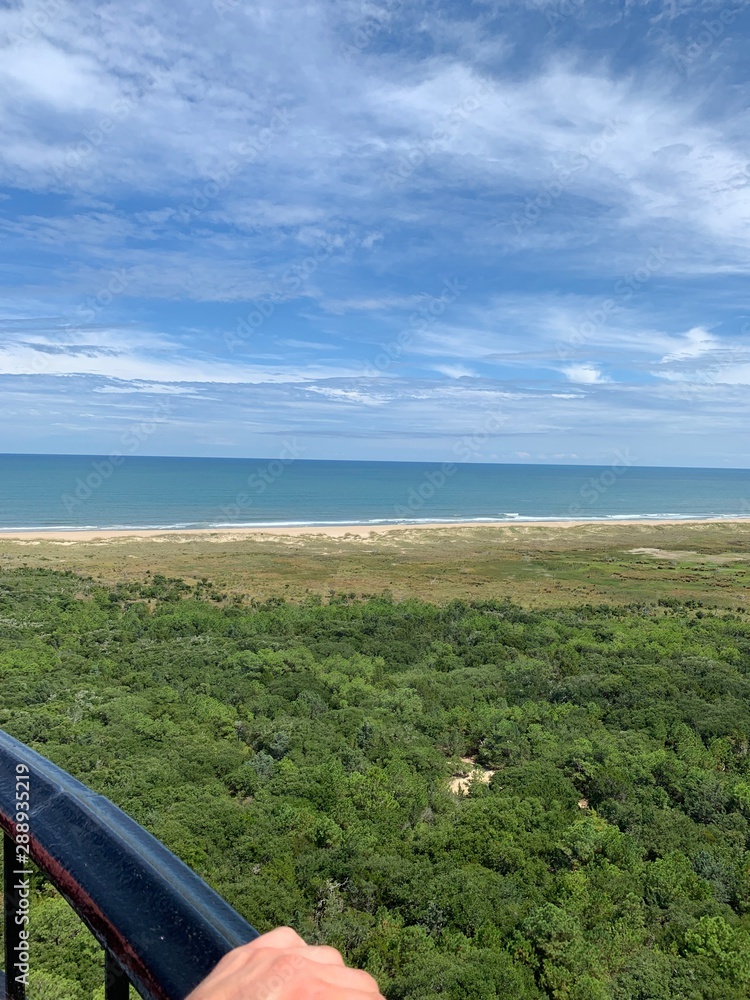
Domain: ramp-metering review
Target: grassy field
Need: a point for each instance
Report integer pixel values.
(535, 565)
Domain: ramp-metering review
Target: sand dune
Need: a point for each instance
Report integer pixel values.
(337, 530)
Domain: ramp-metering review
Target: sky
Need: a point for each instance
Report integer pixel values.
(504, 231)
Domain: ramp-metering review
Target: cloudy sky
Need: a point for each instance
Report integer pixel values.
(378, 229)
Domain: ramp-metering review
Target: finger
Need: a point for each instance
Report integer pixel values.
(347, 994)
(267, 947)
(340, 976)
(280, 937)
(362, 982)
(263, 960)
(292, 957)
(324, 954)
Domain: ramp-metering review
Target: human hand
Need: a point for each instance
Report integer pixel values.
(281, 966)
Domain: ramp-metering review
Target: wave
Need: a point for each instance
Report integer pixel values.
(374, 521)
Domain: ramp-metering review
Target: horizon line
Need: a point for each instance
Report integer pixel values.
(378, 461)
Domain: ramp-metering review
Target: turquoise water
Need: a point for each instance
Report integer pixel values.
(52, 491)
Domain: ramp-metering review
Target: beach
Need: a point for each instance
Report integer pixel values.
(365, 531)
(540, 564)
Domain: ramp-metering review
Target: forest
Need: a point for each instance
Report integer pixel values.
(472, 800)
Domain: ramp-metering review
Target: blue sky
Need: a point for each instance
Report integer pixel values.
(380, 230)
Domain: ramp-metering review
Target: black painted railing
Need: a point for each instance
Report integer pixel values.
(162, 928)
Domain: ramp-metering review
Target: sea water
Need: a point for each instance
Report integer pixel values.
(80, 492)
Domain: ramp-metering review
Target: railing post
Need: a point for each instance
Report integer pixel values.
(116, 983)
(14, 990)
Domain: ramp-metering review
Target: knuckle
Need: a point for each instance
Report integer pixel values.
(233, 957)
(363, 981)
(283, 936)
(282, 966)
(329, 953)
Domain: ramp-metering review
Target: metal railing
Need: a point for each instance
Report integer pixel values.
(162, 928)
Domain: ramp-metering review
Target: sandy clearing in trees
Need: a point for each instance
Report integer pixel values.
(461, 781)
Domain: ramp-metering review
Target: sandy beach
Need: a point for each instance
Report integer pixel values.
(539, 563)
(339, 530)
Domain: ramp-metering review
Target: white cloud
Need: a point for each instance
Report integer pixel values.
(696, 342)
(135, 365)
(585, 374)
(733, 375)
(440, 148)
(42, 72)
(455, 371)
(340, 307)
(146, 388)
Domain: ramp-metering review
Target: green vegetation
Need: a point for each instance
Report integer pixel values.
(537, 565)
(300, 758)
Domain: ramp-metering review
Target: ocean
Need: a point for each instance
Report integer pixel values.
(87, 492)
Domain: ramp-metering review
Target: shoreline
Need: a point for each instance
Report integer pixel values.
(334, 530)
